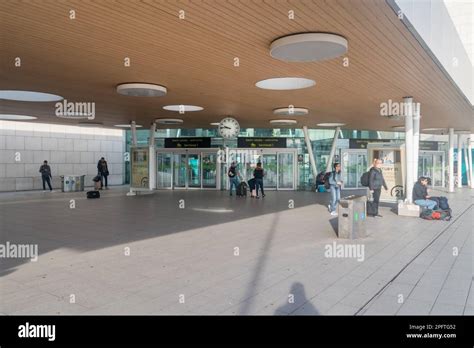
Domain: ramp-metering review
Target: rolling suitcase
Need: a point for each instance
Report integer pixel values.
(371, 208)
(242, 189)
(93, 194)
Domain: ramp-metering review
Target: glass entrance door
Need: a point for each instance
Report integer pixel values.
(286, 170)
(431, 165)
(269, 164)
(164, 165)
(354, 164)
(194, 170)
(179, 170)
(209, 170)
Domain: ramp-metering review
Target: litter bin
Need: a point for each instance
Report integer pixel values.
(351, 217)
(72, 183)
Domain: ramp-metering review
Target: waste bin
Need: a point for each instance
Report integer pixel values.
(72, 183)
(351, 217)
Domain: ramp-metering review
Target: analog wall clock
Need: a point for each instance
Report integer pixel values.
(229, 128)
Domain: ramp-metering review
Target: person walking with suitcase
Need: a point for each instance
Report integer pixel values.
(46, 176)
(103, 171)
(335, 184)
(233, 175)
(376, 181)
(258, 175)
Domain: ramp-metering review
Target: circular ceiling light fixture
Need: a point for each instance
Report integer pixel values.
(127, 126)
(285, 83)
(8, 117)
(29, 96)
(329, 124)
(283, 122)
(169, 121)
(141, 90)
(290, 111)
(183, 108)
(214, 123)
(308, 47)
(74, 115)
(90, 124)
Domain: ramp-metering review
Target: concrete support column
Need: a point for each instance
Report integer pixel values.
(469, 156)
(133, 129)
(460, 143)
(416, 140)
(312, 161)
(333, 150)
(451, 161)
(152, 158)
(409, 152)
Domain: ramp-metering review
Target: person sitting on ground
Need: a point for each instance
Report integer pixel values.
(420, 194)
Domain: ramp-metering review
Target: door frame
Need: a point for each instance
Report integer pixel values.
(350, 152)
(443, 164)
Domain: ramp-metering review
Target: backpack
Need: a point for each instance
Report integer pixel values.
(364, 179)
(326, 183)
(443, 203)
(443, 215)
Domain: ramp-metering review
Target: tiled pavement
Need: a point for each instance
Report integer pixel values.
(221, 255)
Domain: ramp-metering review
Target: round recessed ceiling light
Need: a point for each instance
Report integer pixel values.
(90, 124)
(127, 126)
(141, 90)
(74, 115)
(29, 96)
(308, 47)
(214, 123)
(329, 124)
(285, 83)
(283, 122)
(9, 117)
(291, 111)
(183, 108)
(169, 121)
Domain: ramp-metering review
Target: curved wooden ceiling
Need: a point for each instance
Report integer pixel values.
(83, 60)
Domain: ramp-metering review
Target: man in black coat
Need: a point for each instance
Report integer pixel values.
(376, 181)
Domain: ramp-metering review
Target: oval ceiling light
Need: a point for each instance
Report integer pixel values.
(74, 115)
(141, 90)
(433, 129)
(214, 123)
(183, 108)
(283, 122)
(90, 124)
(9, 117)
(290, 111)
(29, 96)
(169, 121)
(398, 127)
(127, 126)
(308, 47)
(329, 124)
(285, 83)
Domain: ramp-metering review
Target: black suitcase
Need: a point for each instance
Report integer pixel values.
(242, 189)
(371, 208)
(93, 194)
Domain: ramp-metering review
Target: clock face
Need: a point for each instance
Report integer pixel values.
(229, 128)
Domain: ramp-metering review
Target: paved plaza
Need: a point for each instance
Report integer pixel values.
(203, 252)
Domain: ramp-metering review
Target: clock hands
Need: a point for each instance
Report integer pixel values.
(225, 127)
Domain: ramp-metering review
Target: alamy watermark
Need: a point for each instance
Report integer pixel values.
(393, 108)
(241, 155)
(19, 251)
(347, 251)
(66, 109)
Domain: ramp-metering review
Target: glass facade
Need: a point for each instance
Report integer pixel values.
(321, 141)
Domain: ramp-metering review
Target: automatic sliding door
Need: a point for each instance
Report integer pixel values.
(209, 170)
(179, 170)
(194, 170)
(269, 164)
(164, 175)
(286, 170)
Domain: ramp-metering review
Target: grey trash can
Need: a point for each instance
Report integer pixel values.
(72, 183)
(351, 217)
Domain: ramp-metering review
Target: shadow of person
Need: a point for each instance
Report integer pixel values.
(296, 300)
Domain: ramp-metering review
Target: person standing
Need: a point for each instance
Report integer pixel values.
(258, 174)
(376, 181)
(335, 184)
(233, 175)
(103, 171)
(46, 176)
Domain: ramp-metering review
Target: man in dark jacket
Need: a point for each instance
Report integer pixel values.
(45, 171)
(103, 171)
(376, 181)
(420, 194)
